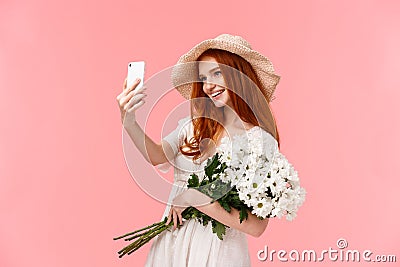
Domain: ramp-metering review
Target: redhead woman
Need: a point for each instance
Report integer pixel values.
(230, 86)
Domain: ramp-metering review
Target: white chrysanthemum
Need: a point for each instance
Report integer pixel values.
(277, 210)
(226, 176)
(263, 208)
(248, 198)
(227, 158)
(280, 184)
(271, 182)
(258, 178)
(294, 184)
(244, 185)
(293, 177)
(291, 215)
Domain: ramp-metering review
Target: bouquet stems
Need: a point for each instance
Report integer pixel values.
(147, 233)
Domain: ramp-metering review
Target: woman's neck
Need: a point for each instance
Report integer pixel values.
(231, 119)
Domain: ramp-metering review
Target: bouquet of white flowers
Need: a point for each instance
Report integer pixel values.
(248, 174)
(263, 177)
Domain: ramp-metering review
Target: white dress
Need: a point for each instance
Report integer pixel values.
(193, 244)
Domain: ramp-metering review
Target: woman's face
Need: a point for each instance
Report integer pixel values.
(213, 82)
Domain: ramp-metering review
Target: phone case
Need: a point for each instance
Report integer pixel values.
(135, 70)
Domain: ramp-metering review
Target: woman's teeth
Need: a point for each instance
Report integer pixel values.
(217, 93)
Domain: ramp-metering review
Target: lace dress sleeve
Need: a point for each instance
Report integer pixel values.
(175, 139)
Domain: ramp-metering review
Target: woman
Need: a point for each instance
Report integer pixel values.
(230, 94)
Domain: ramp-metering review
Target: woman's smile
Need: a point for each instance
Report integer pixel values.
(216, 94)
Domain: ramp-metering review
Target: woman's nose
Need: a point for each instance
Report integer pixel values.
(208, 86)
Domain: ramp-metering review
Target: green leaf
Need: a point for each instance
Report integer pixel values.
(212, 164)
(235, 201)
(225, 205)
(205, 181)
(218, 228)
(243, 214)
(193, 181)
(222, 167)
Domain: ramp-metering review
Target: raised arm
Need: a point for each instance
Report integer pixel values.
(154, 153)
(129, 101)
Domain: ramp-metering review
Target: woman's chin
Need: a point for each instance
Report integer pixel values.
(219, 103)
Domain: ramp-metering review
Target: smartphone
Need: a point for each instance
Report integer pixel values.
(135, 70)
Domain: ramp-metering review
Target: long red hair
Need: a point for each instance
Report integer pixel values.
(249, 102)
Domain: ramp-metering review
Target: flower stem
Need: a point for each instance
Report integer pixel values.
(143, 240)
(148, 231)
(142, 229)
(142, 236)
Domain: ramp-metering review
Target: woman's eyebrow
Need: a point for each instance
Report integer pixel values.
(211, 70)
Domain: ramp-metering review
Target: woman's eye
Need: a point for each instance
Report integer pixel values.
(217, 73)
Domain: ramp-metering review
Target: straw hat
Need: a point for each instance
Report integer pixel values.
(183, 74)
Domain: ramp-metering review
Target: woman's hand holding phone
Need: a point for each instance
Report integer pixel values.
(130, 100)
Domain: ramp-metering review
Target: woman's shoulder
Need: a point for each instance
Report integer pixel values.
(185, 127)
(184, 120)
(184, 123)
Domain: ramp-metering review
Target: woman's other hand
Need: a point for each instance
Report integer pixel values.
(178, 205)
(175, 214)
(130, 100)
(190, 197)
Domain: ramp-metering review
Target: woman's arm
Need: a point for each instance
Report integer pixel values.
(191, 197)
(129, 100)
(154, 153)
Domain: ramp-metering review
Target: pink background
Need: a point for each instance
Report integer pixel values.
(65, 190)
